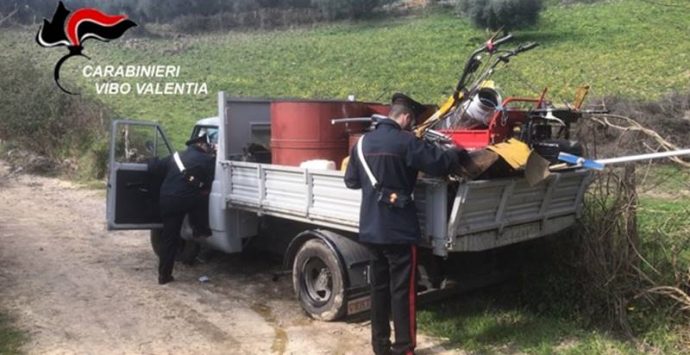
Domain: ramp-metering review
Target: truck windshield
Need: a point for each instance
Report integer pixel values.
(211, 131)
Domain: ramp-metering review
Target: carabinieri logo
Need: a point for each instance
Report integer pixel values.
(71, 29)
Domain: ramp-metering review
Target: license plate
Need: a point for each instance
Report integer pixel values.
(359, 305)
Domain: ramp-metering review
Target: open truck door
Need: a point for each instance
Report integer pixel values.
(132, 197)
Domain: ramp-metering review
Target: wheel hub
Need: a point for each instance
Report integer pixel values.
(318, 280)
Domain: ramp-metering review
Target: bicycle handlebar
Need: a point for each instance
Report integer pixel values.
(490, 46)
(526, 46)
(503, 39)
(521, 48)
(472, 64)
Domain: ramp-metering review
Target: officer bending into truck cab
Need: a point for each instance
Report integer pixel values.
(187, 178)
(384, 164)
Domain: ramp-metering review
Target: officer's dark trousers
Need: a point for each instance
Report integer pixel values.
(173, 211)
(394, 293)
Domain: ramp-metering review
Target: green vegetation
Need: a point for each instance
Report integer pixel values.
(630, 48)
(665, 205)
(557, 305)
(42, 120)
(10, 338)
(501, 14)
(27, 11)
(634, 49)
(347, 8)
(487, 322)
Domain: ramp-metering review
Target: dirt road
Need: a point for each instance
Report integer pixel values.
(77, 289)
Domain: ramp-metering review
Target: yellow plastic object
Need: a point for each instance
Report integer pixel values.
(513, 151)
(450, 102)
(580, 96)
(343, 164)
(489, 84)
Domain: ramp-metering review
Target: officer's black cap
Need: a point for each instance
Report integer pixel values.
(200, 139)
(404, 100)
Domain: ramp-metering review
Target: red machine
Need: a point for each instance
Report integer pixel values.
(503, 124)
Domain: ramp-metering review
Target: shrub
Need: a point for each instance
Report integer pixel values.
(39, 118)
(508, 14)
(571, 2)
(351, 9)
(269, 18)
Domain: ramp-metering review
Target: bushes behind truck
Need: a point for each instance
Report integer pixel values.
(45, 130)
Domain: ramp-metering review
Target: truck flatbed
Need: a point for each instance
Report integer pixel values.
(483, 214)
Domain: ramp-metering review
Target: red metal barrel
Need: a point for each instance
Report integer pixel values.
(301, 130)
(379, 109)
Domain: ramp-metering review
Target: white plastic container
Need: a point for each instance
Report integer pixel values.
(480, 108)
(318, 164)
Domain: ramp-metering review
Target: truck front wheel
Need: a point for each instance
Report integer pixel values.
(317, 278)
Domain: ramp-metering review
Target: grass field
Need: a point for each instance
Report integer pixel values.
(486, 322)
(502, 320)
(10, 338)
(620, 47)
(540, 316)
(632, 48)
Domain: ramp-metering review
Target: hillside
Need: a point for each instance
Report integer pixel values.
(631, 48)
(629, 51)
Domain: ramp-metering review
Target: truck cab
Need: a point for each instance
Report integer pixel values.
(132, 198)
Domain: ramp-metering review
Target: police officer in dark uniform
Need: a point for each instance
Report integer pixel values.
(187, 178)
(388, 218)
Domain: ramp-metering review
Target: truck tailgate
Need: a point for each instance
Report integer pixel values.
(492, 213)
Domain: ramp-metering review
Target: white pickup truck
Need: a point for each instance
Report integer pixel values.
(318, 214)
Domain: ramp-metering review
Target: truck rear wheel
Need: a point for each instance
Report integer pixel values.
(186, 253)
(317, 278)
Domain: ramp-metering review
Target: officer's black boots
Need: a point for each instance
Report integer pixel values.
(162, 280)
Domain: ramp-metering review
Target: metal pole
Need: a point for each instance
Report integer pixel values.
(672, 153)
(373, 118)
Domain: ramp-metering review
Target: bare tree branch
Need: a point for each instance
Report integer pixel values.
(674, 293)
(633, 125)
